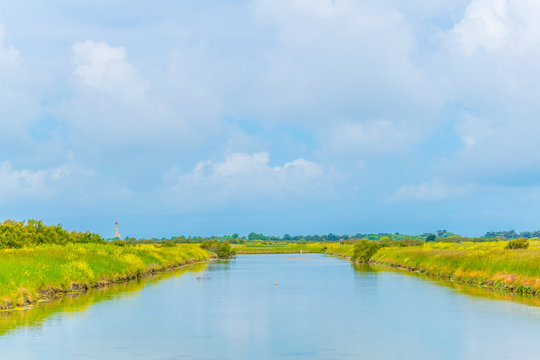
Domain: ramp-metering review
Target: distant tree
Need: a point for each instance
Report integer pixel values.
(235, 236)
(255, 236)
(430, 237)
(332, 237)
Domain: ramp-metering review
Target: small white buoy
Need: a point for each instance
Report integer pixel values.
(275, 284)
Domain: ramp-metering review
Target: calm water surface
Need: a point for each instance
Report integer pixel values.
(322, 308)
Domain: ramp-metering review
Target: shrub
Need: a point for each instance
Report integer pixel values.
(519, 243)
(221, 249)
(402, 243)
(18, 234)
(224, 250)
(364, 250)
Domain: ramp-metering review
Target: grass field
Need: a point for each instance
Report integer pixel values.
(485, 263)
(344, 250)
(28, 274)
(280, 248)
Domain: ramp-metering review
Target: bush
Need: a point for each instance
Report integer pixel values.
(402, 243)
(224, 250)
(364, 250)
(221, 249)
(18, 234)
(519, 243)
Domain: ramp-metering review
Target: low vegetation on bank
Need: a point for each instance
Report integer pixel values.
(515, 267)
(19, 234)
(221, 249)
(38, 261)
(281, 247)
(28, 274)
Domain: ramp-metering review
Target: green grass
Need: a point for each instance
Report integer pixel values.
(485, 263)
(344, 250)
(26, 273)
(330, 248)
(280, 248)
(71, 303)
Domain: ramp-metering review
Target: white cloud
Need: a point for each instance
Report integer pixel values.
(491, 62)
(9, 56)
(244, 177)
(14, 183)
(38, 184)
(335, 60)
(485, 25)
(111, 106)
(106, 69)
(498, 25)
(342, 82)
(427, 191)
(369, 138)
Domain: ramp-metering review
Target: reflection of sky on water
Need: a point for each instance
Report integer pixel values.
(64, 305)
(321, 309)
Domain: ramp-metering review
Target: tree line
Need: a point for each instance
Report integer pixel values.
(18, 234)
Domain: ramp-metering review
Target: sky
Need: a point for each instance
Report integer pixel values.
(300, 116)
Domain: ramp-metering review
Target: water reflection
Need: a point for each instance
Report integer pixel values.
(74, 303)
(222, 264)
(465, 289)
(322, 309)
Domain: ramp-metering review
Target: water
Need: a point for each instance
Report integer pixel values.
(322, 308)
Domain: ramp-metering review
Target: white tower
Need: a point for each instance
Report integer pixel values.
(116, 233)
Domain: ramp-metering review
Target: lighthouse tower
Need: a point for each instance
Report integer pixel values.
(116, 233)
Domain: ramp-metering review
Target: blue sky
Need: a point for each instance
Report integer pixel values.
(191, 117)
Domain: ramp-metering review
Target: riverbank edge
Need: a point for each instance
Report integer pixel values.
(50, 292)
(519, 289)
(265, 252)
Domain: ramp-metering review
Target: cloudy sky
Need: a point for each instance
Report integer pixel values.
(298, 116)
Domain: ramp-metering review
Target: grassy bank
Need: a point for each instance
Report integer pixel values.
(71, 303)
(280, 248)
(29, 274)
(486, 263)
(345, 250)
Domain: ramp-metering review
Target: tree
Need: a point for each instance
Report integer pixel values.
(441, 232)
(430, 237)
(221, 249)
(255, 236)
(364, 250)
